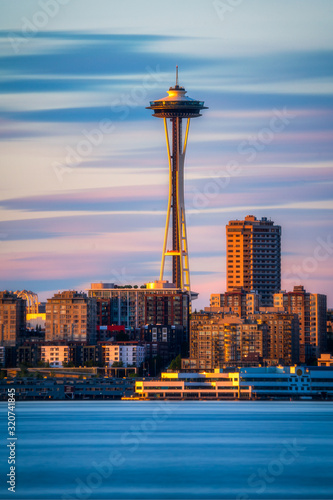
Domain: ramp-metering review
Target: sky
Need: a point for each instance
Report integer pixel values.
(84, 170)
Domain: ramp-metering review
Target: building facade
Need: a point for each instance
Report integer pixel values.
(12, 318)
(236, 301)
(254, 257)
(218, 340)
(282, 338)
(311, 311)
(245, 383)
(164, 341)
(55, 355)
(158, 302)
(124, 353)
(70, 316)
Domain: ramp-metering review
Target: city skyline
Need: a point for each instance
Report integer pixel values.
(264, 147)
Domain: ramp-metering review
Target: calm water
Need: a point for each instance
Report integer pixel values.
(171, 450)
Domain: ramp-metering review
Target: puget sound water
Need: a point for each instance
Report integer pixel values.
(170, 450)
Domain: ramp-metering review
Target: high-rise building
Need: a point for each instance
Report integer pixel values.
(70, 316)
(311, 311)
(254, 257)
(175, 107)
(12, 318)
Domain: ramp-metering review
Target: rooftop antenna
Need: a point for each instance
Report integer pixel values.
(176, 76)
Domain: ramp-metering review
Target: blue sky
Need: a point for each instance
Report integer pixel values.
(83, 163)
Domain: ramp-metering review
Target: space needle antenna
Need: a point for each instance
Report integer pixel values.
(176, 76)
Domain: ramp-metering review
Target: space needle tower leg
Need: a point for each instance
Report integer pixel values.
(176, 207)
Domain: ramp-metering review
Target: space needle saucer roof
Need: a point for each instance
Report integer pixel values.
(176, 103)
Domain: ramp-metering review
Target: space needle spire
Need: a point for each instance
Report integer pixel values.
(176, 107)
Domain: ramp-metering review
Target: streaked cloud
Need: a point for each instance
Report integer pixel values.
(68, 218)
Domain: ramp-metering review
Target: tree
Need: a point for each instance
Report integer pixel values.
(176, 363)
(117, 364)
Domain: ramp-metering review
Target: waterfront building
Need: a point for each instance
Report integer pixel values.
(244, 383)
(254, 257)
(70, 316)
(62, 388)
(12, 318)
(311, 311)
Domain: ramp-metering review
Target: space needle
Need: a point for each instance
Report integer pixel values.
(175, 107)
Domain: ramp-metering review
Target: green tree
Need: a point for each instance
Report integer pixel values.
(176, 363)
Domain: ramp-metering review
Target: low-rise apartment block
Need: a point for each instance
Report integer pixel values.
(127, 354)
(55, 355)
